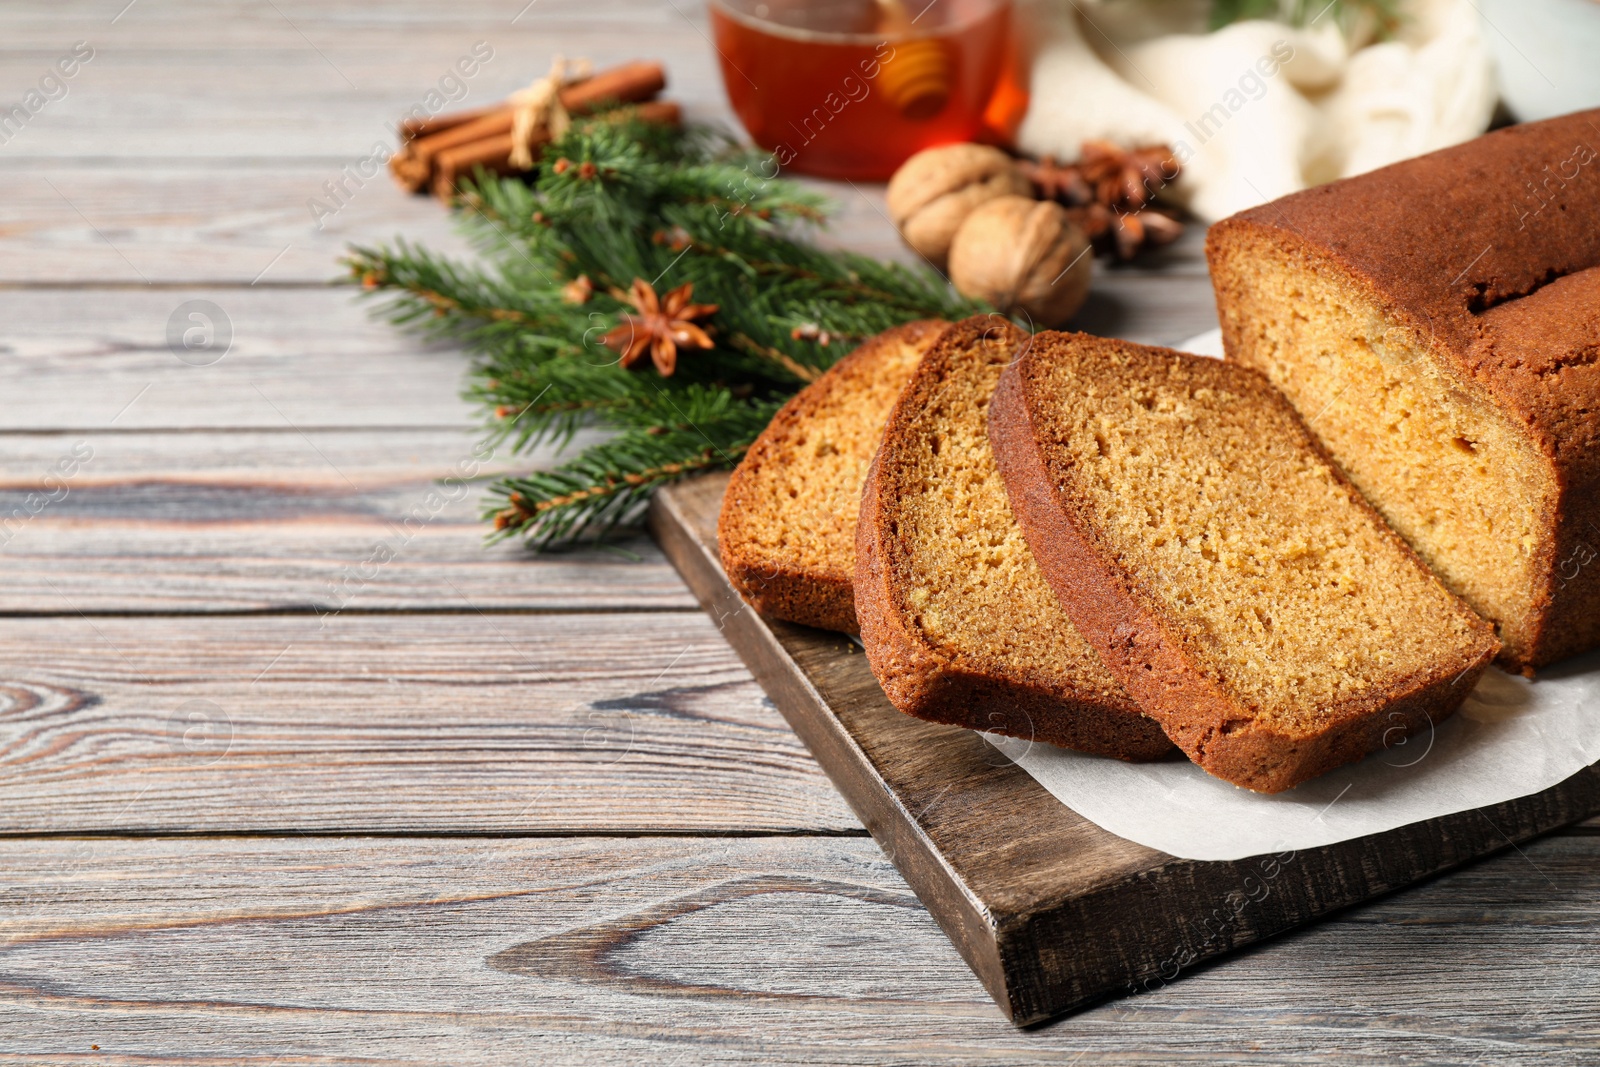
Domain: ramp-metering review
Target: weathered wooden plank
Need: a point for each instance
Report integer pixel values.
(245, 28)
(1051, 911)
(176, 81)
(278, 521)
(234, 222)
(469, 723)
(1160, 309)
(299, 359)
(237, 222)
(226, 223)
(107, 185)
(680, 950)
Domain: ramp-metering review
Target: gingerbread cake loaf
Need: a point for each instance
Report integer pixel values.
(1227, 573)
(787, 529)
(1437, 323)
(957, 620)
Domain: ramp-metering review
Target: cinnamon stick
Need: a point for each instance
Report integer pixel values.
(628, 84)
(414, 127)
(412, 171)
(493, 154)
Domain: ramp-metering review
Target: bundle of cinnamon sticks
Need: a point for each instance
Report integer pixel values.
(436, 152)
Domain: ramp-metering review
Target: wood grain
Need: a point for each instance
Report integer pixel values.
(1049, 910)
(683, 950)
(463, 723)
(225, 224)
(1156, 309)
(303, 359)
(180, 166)
(259, 520)
(250, 221)
(299, 360)
(234, 223)
(242, 80)
(280, 111)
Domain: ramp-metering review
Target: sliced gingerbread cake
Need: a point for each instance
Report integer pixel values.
(787, 530)
(1437, 323)
(1227, 573)
(957, 620)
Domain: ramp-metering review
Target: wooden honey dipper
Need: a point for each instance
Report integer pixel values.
(917, 76)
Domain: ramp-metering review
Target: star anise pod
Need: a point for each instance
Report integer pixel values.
(662, 325)
(1095, 220)
(1122, 180)
(1124, 235)
(1108, 192)
(1145, 229)
(1126, 178)
(1061, 182)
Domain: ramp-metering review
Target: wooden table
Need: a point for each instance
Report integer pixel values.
(296, 771)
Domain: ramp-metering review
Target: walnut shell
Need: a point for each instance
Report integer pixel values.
(934, 191)
(1025, 256)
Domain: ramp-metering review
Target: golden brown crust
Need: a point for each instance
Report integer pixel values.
(1543, 354)
(811, 592)
(1147, 652)
(1457, 232)
(1491, 250)
(923, 678)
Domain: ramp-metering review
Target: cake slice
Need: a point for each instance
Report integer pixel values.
(787, 529)
(1227, 573)
(958, 623)
(1436, 323)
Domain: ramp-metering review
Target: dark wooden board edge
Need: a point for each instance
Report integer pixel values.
(962, 917)
(1051, 912)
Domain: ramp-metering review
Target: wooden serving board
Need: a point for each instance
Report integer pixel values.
(1049, 910)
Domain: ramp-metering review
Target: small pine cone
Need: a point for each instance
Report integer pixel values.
(676, 238)
(578, 290)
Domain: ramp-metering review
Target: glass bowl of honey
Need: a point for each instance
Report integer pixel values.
(853, 88)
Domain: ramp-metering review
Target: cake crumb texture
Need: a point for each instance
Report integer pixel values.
(1437, 324)
(958, 622)
(786, 532)
(1231, 577)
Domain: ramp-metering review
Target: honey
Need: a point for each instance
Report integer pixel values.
(852, 88)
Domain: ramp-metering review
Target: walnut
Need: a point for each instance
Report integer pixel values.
(935, 190)
(1023, 255)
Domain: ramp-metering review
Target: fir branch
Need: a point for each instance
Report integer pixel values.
(788, 363)
(609, 484)
(615, 202)
(422, 287)
(553, 400)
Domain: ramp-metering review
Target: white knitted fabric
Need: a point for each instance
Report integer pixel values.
(1258, 109)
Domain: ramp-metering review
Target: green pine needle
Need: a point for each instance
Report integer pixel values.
(616, 201)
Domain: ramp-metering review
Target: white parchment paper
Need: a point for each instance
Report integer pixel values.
(1511, 738)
